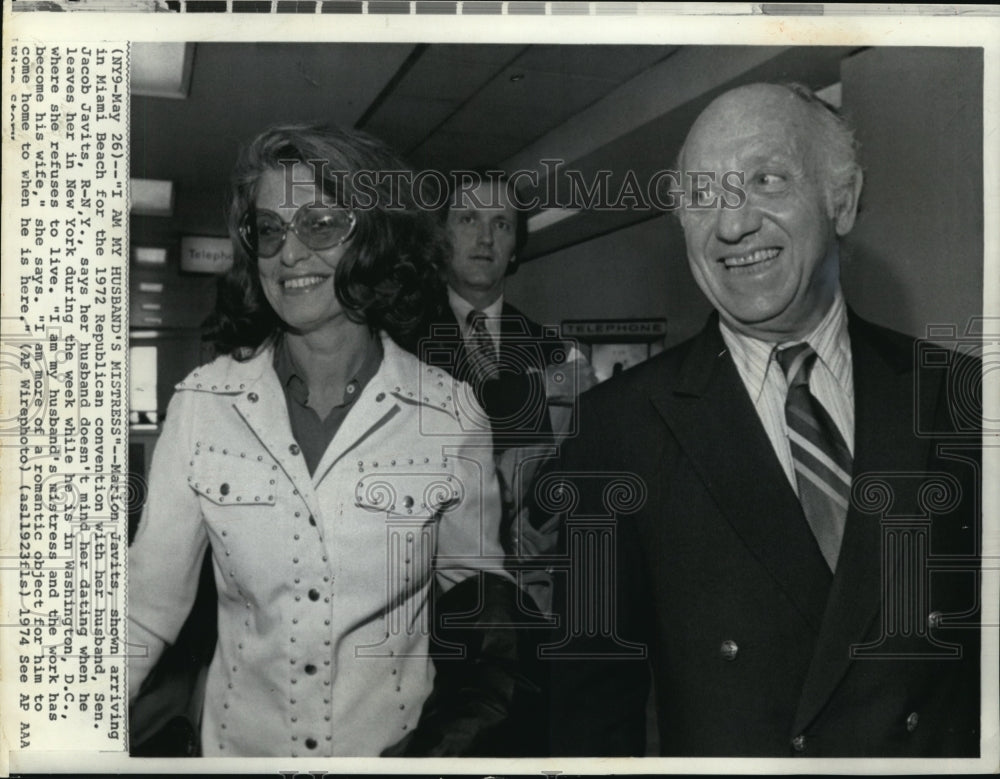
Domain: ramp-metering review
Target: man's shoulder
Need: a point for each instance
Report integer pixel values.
(516, 321)
(892, 345)
(929, 354)
(655, 376)
(509, 309)
(518, 329)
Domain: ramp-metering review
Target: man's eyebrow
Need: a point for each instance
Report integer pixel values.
(787, 157)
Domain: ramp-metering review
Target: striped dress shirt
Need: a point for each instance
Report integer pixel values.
(831, 381)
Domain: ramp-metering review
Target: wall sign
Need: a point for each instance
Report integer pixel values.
(201, 254)
(615, 330)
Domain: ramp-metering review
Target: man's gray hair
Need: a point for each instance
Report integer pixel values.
(837, 148)
(836, 145)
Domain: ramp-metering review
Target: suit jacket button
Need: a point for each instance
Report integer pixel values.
(224, 488)
(934, 619)
(253, 397)
(294, 449)
(729, 650)
(912, 721)
(799, 743)
(310, 669)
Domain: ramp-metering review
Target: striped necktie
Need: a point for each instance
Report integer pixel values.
(480, 349)
(823, 463)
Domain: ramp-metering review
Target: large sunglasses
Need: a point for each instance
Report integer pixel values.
(319, 227)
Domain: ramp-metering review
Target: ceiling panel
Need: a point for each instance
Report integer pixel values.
(434, 87)
(542, 87)
(615, 63)
(447, 150)
(460, 68)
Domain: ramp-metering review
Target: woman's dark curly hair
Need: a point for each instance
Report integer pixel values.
(391, 272)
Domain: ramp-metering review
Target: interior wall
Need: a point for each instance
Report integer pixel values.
(915, 256)
(637, 272)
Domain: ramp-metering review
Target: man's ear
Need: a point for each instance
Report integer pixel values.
(511, 266)
(845, 204)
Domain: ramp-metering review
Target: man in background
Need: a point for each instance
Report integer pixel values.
(526, 379)
(524, 376)
(514, 367)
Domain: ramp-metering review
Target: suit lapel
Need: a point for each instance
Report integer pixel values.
(513, 329)
(714, 421)
(883, 442)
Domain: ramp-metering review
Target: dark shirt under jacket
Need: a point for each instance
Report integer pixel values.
(312, 433)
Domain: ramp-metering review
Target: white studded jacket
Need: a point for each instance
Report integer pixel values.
(323, 581)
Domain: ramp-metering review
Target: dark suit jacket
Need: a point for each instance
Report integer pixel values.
(515, 401)
(716, 577)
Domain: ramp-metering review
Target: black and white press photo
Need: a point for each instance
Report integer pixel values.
(487, 395)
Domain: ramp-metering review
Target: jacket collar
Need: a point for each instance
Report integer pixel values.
(400, 373)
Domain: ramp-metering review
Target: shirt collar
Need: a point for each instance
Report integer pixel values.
(294, 383)
(829, 339)
(461, 308)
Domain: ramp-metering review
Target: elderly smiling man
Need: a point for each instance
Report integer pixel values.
(762, 595)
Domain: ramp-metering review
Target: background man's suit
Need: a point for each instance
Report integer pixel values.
(719, 575)
(515, 401)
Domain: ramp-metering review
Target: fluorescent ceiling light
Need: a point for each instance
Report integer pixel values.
(549, 217)
(161, 69)
(150, 255)
(151, 197)
(150, 286)
(151, 306)
(144, 334)
(152, 320)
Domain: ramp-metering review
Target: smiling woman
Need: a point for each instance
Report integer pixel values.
(327, 470)
(391, 256)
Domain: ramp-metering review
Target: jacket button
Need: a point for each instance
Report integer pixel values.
(294, 449)
(729, 650)
(408, 502)
(314, 594)
(224, 488)
(253, 397)
(912, 721)
(380, 397)
(310, 743)
(311, 669)
(799, 743)
(934, 619)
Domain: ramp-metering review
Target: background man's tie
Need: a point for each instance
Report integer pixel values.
(823, 463)
(480, 348)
